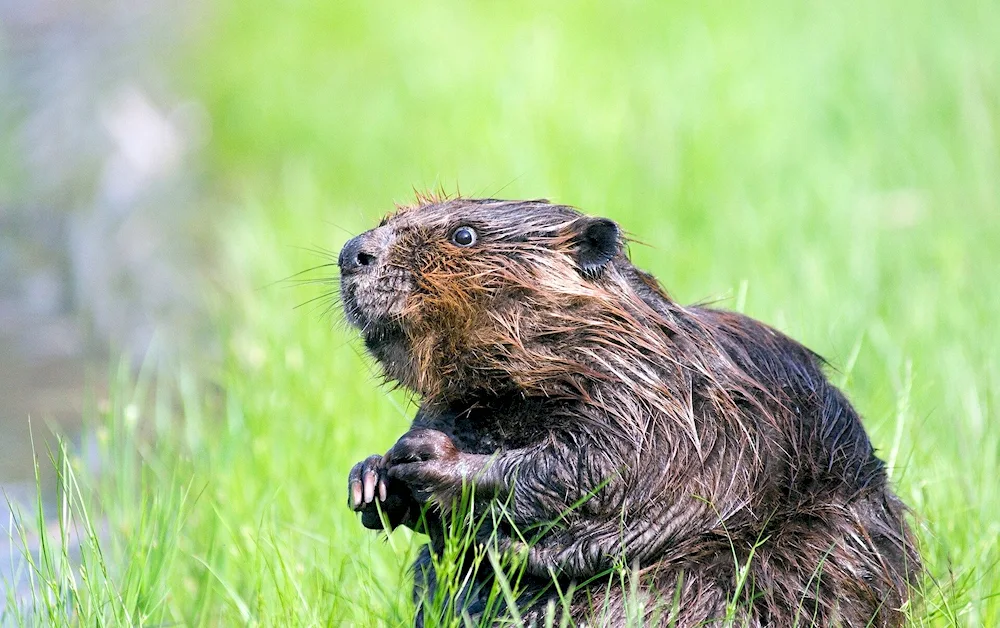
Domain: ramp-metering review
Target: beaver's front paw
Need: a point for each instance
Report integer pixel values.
(421, 445)
(428, 462)
(369, 479)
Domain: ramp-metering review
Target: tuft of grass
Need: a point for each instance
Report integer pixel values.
(103, 557)
(833, 170)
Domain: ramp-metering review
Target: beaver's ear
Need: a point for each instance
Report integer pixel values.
(597, 241)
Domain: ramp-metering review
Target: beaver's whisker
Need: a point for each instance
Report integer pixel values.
(325, 295)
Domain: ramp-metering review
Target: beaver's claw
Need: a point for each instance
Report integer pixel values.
(369, 479)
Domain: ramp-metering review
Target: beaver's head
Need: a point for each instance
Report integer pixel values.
(470, 294)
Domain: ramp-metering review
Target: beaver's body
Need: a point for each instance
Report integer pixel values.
(702, 447)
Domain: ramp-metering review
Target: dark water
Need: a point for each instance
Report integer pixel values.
(45, 381)
(42, 395)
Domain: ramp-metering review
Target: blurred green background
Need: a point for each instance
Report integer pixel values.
(831, 169)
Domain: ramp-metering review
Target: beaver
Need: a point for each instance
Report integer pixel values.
(699, 450)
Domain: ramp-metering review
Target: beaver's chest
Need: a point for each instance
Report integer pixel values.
(498, 425)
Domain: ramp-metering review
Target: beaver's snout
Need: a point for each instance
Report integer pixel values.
(359, 253)
(372, 289)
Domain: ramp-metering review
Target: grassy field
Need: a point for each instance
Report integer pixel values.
(831, 169)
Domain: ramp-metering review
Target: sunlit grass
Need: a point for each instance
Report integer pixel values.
(833, 170)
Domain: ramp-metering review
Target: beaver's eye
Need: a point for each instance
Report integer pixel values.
(464, 236)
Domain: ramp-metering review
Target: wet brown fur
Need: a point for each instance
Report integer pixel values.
(697, 441)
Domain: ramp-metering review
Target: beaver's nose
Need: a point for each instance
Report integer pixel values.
(355, 256)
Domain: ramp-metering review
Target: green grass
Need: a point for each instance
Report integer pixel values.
(831, 169)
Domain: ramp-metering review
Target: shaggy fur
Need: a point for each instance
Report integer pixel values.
(563, 383)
